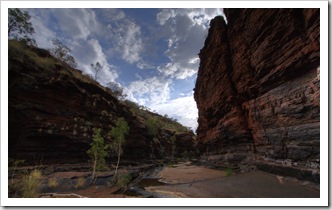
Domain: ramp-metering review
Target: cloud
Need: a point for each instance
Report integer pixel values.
(155, 93)
(143, 65)
(131, 43)
(154, 90)
(76, 23)
(201, 16)
(178, 71)
(77, 29)
(204, 15)
(167, 47)
(183, 54)
(164, 15)
(185, 30)
(183, 109)
(126, 42)
(43, 35)
(89, 52)
(111, 14)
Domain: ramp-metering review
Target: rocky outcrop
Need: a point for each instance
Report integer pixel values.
(53, 111)
(257, 91)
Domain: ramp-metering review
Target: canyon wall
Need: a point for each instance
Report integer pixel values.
(257, 92)
(53, 111)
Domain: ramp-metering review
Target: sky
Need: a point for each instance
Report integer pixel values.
(151, 53)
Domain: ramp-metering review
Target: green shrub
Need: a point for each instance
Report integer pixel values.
(118, 136)
(229, 171)
(98, 152)
(123, 179)
(153, 126)
(80, 182)
(53, 182)
(31, 184)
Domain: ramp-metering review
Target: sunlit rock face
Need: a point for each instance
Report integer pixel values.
(258, 91)
(53, 111)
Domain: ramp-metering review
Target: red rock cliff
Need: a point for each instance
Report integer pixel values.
(257, 91)
(54, 109)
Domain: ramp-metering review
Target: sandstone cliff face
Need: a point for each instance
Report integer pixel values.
(257, 91)
(54, 109)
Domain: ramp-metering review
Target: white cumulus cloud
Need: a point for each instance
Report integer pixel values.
(43, 35)
(76, 23)
(185, 30)
(165, 49)
(183, 109)
(126, 42)
(154, 90)
(89, 52)
(77, 29)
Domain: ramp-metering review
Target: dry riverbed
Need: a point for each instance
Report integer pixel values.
(180, 180)
(186, 180)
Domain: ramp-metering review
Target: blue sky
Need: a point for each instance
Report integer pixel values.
(152, 53)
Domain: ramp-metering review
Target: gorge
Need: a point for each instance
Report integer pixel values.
(258, 98)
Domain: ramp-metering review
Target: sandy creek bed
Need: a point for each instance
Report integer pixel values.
(184, 180)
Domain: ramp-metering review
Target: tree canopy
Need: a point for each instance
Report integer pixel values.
(98, 152)
(19, 26)
(97, 68)
(117, 90)
(118, 134)
(62, 52)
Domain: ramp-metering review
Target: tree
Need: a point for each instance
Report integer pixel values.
(117, 135)
(131, 104)
(117, 90)
(153, 126)
(97, 67)
(19, 27)
(98, 152)
(62, 52)
(173, 141)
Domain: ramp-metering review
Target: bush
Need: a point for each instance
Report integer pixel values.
(31, 184)
(62, 52)
(19, 26)
(117, 90)
(80, 182)
(131, 104)
(229, 172)
(153, 126)
(53, 182)
(98, 152)
(123, 179)
(117, 135)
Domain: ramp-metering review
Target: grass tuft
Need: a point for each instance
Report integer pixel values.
(53, 182)
(229, 172)
(31, 184)
(80, 182)
(123, 179)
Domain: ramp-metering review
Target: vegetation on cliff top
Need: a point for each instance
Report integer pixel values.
(50, 65)
(19, 26)
(40, 67)
(154, 121)
(53, 67)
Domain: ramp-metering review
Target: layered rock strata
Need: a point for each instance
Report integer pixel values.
(257, 91)
(53, 111)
